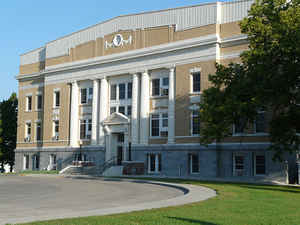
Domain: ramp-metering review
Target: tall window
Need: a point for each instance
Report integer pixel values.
(238, 165)
(260, 165)
(122, 91)
(260, 122)
(194, 163)
(36, 162)
(56, 98)
(85, 129)
(39, 100)
(239, 126)
(56, 130)
(113, 92)
(26, 162)
(195, 122)
(154, 163)
(28, 132)
(83, 95)
(160, 86)
(159, 125)
(196, 82)
(29, 103)
(129, 90)
(38, 131)
(155, 87)
(129, 110)
(90, 96)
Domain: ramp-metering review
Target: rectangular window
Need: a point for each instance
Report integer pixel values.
(90, 96)
(39, 103)
(56, 130)
(238, 165)
(196, 82)
(155, 125)
(154, 163)
(36, 159)
(82, 129)
(122, 91)
(129, 110)
(113, 92)
(195, 123)
(112, 110)
(28, 132)
(260, 122)
(155, 87)
(89, 126)
(239, 127)
(122, 109)
(26, 162)
(129, 90)
(56, 99)
(194, 160)
(38, 131)
(260, 165)
(29, 103)
(83, 95)
(165, 120)
(165, 86)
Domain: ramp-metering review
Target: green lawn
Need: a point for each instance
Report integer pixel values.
(38, 172)
(236, 204)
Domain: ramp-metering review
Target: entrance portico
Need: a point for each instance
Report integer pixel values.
(117, 134)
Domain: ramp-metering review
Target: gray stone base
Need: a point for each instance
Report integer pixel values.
(175, 160)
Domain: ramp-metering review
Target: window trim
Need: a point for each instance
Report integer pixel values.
(192, 73)
(28, 136)
(191, 163)
(161, 127)
(254, 165)
(88, 122)
(191, 123)
(157, 163)
(54, 133)
(27, 103)
(161, 86)
(55, 91)
(36, 130)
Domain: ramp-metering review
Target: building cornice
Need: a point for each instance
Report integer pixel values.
(150, 51)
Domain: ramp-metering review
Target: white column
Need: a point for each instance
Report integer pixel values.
(134, 110)
(125, 147)
(74, 120)
(171, 107)
(144, 116)
(103, 107)
(95, 111)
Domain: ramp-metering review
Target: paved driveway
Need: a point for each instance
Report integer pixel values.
(38, 198)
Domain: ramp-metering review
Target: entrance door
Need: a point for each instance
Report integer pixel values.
(119, 155)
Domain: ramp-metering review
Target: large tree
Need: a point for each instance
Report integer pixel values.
(8, 136)
(270, 77)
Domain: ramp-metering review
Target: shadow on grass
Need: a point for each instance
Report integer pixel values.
(191, 221)
(270, 188)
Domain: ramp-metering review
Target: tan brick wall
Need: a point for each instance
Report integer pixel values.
(182, 101)
(195, 32)
(84, 51)
(156, 36)
(63, 114)
(232, 49)
(229, 29)
(59, 60)
(158, 141)
(32, 68)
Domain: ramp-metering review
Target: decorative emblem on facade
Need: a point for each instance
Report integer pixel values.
(118, 41)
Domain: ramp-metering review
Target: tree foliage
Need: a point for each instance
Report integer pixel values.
(269, 78)
(8, 127)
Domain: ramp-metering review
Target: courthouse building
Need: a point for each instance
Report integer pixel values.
(128, 90)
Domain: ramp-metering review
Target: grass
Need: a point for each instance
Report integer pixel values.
(38, 172)
(236, 204)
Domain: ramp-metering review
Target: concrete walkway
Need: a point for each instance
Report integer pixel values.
(33, 198)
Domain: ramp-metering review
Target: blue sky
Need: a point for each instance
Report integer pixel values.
(26, 25)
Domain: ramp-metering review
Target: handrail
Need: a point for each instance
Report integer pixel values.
(107, 164)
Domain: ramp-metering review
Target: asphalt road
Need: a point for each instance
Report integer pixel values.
(26, 198)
